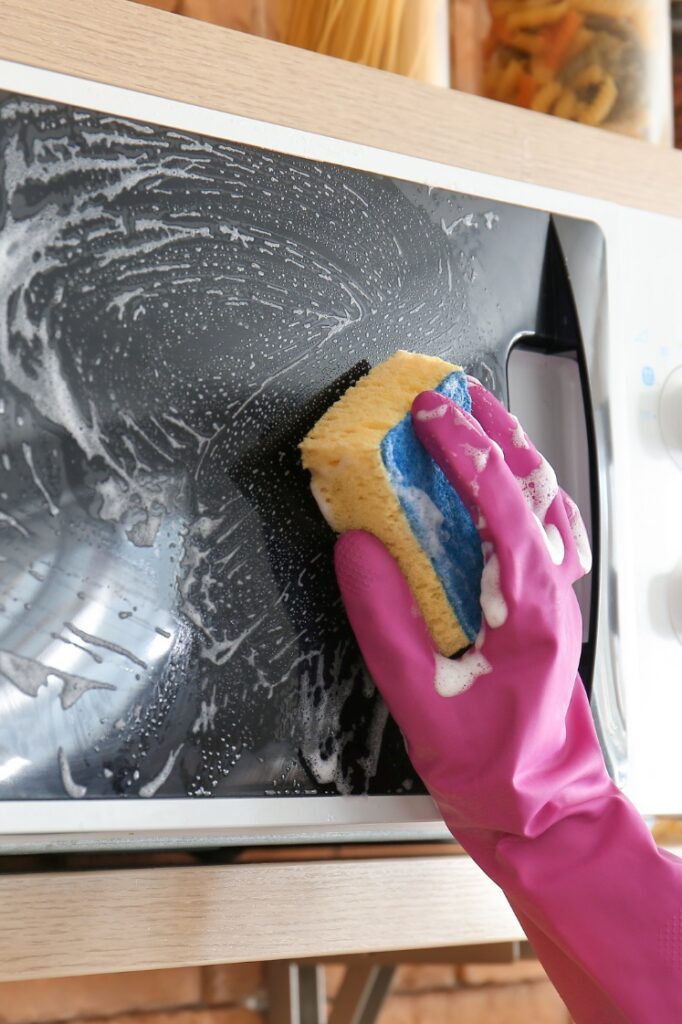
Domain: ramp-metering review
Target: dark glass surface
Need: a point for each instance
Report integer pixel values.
(175, 313)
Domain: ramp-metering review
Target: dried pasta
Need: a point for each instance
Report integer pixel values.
(584, 60)
(395, 35)
(537, 17)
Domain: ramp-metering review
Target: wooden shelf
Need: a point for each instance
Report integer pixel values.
(138, 47)
(108, 921)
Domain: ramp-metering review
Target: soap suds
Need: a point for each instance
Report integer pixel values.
(324, 769)
(74, 790)
(455, 676)
(429, 517)
(135, 209)
(555, 544)
(151, 787)
(323, 503)
(540, 488)
(205, 721)
(493, 603)
(432, 414)
(575, 521)
(519, 439)
(479, 456)
(468, 221)
(553, 541)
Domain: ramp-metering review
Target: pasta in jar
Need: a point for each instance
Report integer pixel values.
(407, 37)
(604, 63)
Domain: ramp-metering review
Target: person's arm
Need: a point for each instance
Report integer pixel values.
(503, 736)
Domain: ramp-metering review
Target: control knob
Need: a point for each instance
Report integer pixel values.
(675, 600)
(670, 414)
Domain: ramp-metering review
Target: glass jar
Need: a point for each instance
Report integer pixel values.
(408, 37)
(256, 17)
(599, 62)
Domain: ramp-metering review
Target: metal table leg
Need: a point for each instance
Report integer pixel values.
(362, 994)
(296, 993)
(297, 990)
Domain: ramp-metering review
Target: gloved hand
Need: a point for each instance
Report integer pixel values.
(503, 736)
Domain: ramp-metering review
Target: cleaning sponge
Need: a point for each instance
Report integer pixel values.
(369, 472)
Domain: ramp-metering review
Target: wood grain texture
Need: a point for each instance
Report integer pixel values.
(138, 47)
(111, 921)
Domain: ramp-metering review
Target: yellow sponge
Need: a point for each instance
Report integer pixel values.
(369, 472)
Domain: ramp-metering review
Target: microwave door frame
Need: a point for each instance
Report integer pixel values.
(266, 819)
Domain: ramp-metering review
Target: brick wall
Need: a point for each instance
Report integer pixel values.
(235, 994)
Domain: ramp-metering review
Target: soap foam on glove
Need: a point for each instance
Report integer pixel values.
(370, 472)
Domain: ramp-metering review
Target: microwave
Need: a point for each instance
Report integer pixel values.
(183, 293)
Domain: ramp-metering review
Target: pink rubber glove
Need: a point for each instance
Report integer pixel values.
(503, 737)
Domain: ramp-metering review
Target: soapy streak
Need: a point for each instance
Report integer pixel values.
(201, 439)
(29, 675)
(107, 644)
(47, 386)
(222, 652)
(493, 604)
(132, 424)
(74, 790)
(575, 521)
(432, 414)
(320, 721)
(155, 784)
(266, 383)
(206, 718)
(216, 650)
(5, 517)
(288, 645)
(468, 222)
(173, 442)
(72, 643)
(28, 455)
